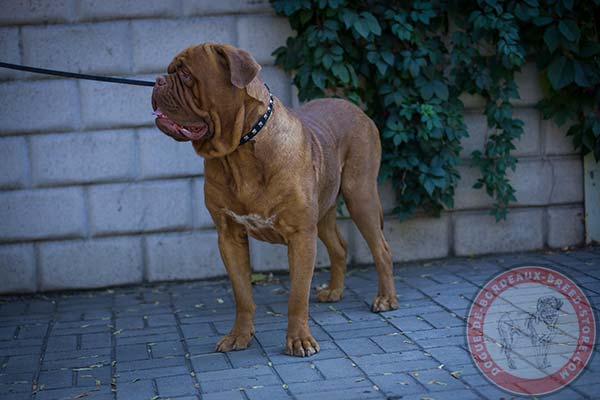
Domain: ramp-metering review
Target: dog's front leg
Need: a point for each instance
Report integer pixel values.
(302, 250)
(233, 245)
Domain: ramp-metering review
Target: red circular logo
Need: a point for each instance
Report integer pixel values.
(531, 330)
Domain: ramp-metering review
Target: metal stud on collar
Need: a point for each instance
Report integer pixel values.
(262, 121)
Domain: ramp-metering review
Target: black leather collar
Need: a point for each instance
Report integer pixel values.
(262, 121)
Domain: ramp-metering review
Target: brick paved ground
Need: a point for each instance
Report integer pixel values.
(156, 342)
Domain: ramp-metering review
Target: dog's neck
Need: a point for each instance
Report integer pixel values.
(262, 118)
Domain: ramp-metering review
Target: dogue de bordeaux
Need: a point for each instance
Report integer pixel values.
(275, 174)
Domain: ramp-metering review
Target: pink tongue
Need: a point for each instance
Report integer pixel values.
(196, 133)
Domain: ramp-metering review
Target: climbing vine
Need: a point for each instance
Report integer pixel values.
(407, 63)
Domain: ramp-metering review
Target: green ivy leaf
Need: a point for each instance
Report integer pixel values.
(372, 23)
(360, 26)
(580, 77)
(318, 78)
(340, 71)
(552, 38)
(569, 30)
(561, 72)
(327, 61)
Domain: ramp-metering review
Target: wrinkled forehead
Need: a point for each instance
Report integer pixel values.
(202, 56)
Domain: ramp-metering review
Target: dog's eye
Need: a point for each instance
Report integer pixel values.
(186, 76)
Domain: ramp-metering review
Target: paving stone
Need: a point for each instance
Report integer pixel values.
(366, 358)
(214, 381)
(348, 388)
(438, 380)
(337, 368)
(210, 362)
(143, 389)
(56, 379)
(298, 372)
(248, 358)
(394, 342)
(398, 384)
(359, 346)
(229, 395)
(410, 324)
(175, 385)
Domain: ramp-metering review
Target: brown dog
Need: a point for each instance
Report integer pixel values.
(282, 186)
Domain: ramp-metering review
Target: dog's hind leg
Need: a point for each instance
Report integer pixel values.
(359, 188)
(331, 237)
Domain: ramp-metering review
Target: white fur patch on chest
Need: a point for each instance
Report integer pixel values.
(252, 222)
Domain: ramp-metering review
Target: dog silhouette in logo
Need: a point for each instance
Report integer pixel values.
(540, 328)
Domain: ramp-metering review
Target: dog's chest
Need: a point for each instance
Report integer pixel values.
(257, 226)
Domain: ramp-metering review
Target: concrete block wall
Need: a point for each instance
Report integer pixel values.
(93, 195)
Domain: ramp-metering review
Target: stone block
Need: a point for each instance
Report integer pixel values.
(274, 257)
(556, 140)
(479, 233)
(202, 218)
(192, 7)
(567, 186)
(14, 162)
(17, 268)
(33, 106)
(190, 255)
(414, 239)
(90, 263)
(262, 34)
(9, 52)
(41, 214)
(529, 143)
(268, 257)
(528, 82)
(465, 196)
(472, 101)
(105, 106)
(140, 207)
(387, 196)
(101, 48)
(83, 157)
(156, 42)
(28, 12)
(532, 181)
(120, 9)
(161, 156)
(279, 82)
(477, 127)
(566, 226)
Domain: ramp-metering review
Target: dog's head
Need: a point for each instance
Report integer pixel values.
(548, 307)
(205, 96)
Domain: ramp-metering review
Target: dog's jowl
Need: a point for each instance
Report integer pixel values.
(276, 175)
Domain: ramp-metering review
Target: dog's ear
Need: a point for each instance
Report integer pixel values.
(559, 304)
(243, 68)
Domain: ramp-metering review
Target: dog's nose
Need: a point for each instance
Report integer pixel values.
(161, 81)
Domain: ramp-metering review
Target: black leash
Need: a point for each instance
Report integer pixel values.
(75, 75)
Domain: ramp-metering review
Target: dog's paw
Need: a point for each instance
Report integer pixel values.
(301, 347)
(383, 303)
(233, 341)
(327, 295)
